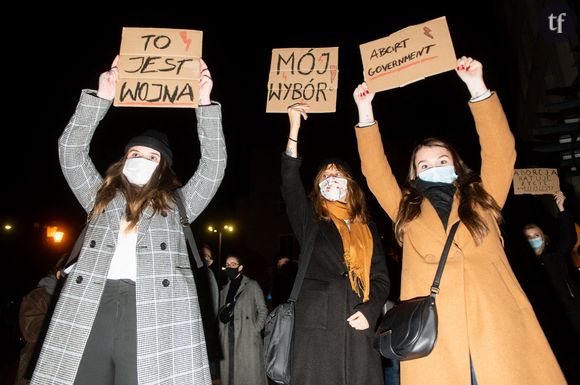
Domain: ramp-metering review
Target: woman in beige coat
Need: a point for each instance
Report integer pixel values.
(488, 333)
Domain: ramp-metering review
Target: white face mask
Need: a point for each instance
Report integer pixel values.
(442, 174)
(139, 170)
(333, 188)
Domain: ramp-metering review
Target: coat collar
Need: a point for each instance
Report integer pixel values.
(429, 217)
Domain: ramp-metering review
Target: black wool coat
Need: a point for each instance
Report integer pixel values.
(327, 350)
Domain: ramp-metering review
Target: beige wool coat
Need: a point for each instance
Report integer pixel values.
(483, 312)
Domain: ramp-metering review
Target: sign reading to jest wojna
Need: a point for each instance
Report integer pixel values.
(159, 68)
(536, 181)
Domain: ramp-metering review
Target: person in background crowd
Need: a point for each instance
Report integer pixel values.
(554, 256)
(283, 280)
(208, 296)
(242, 317)
(36, 305)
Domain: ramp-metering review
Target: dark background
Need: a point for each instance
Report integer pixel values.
(51, 58)
(59, 57)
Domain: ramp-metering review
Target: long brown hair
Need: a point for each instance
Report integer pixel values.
(355, 201)
(157, 193)
(469, 187)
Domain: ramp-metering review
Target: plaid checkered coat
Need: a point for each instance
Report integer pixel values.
(170, 340)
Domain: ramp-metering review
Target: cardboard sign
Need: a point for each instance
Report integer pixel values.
(303, 75)
(159, 68)
(408, 55)
(536, 181)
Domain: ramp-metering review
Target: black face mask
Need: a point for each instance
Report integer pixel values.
(232, 272)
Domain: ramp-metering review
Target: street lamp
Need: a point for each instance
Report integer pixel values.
(220, 231)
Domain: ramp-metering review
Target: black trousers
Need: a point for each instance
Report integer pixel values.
(110, 357)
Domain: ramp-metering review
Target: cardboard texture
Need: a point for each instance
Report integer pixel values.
(408, 55)
(536, 181)
(303, 75)
(159, 67)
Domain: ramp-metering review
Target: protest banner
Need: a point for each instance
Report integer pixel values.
(159, 67)
(408, 55)
(536, 181)
(303, 75)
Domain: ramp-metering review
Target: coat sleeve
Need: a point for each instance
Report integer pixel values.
(202, 186)
(377, 170)
(261, 309)
(74, 144)
(380, 282)
(298, 207)
(498, 152)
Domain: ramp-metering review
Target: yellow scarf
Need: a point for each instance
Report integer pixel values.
(358, 248)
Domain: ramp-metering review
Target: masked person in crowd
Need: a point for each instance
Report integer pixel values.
(554, 256)
(346, 280)
(488, 332)
(128, 313)
(242, 317)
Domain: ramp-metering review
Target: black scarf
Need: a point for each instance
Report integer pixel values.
(439, 194)
(233, 289)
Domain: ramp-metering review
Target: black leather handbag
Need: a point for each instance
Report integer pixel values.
(409, 330)
(279, 328)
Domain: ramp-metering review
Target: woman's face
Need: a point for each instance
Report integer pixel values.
(432, 156)
(533, 233)
(333, 190)
(144, 152)
(331, 170)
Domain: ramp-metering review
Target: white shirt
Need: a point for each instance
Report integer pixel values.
(124, 262)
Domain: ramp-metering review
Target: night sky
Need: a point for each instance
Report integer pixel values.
(56, 58)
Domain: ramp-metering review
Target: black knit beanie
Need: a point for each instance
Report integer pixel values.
(153, 139)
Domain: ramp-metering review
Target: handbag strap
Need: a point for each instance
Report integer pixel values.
(309, 246)
(186, 229)
(437, 280)
(74, 254)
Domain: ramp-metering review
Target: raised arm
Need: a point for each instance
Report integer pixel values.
(298, 208)
(74, 143)
(202, 186)
(498, 154)
(375, 166)
(566, 238)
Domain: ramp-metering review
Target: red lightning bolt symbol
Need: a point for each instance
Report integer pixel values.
(332, 73)
(427, 32)
(187, 41)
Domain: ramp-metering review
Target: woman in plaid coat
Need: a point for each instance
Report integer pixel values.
(128, 313)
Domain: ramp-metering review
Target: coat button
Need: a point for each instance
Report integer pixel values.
(163, 246)
(165, 283)
(345, 274)
(163, 214)
(93, 243)
(79, 279)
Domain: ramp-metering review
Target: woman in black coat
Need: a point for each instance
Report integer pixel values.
(346, 281)
(555, 260)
